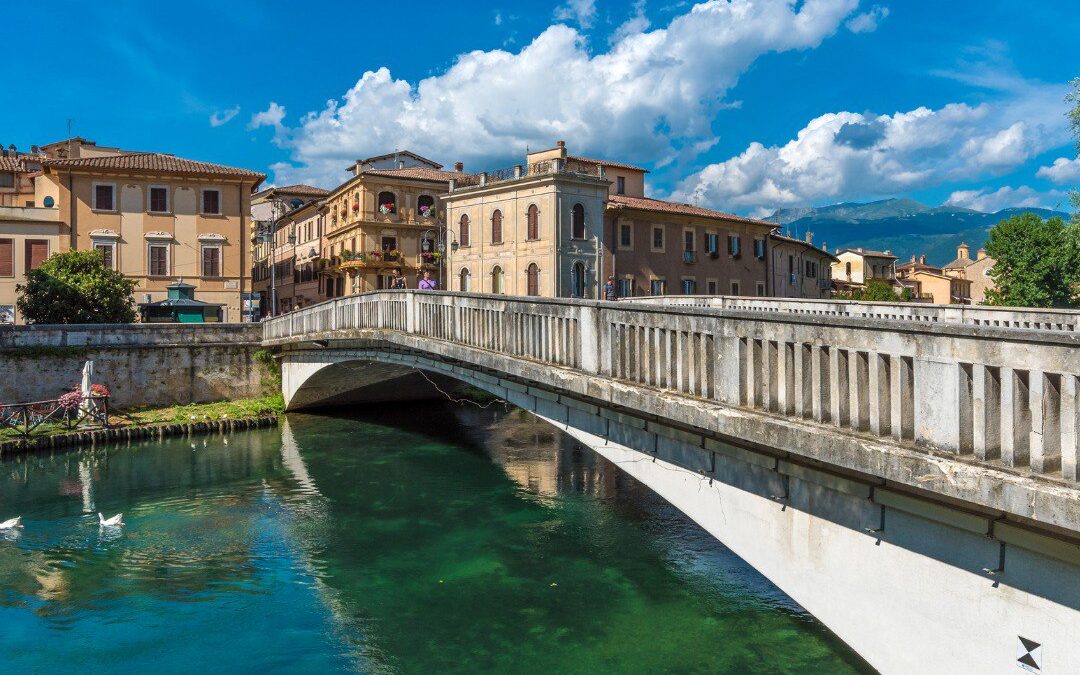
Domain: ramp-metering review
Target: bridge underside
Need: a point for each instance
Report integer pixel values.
(912, 585)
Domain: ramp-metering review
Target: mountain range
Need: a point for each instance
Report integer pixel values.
(903, 226)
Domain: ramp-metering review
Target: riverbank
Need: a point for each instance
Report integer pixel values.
(153, 422)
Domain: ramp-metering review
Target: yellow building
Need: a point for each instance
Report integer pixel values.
(975, 270)
(155, 217)
(28, 235)
(939, 288)
(17, 171)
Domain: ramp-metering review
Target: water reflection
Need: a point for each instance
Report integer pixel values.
(404, 539)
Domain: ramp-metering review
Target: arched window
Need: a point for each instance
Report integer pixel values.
(463, 230)
(387, 203)
(463, 280)
(577, 280)
(577, 220)
(847, 269)
(496, 279)
(532, 219)
(496, 227)
(532, 275)
(425, 206)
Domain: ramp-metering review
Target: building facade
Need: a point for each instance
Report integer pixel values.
(275, 235)
(856, 267)
(156, 218)
(798, 269)
(975, 270)
(28, 235)
(17, 172)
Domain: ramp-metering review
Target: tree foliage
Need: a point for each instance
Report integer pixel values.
(1037, 262)
(76, 287)
(876, 291)
(1073, 98)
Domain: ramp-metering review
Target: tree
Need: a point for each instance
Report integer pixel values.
(876, 291)
(1037, 262)
(1073, 97)
(76, 287)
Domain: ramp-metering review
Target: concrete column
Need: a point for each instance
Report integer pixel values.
(858, 390)
(936, 404)
(752, 372)
(1015, 418)
(1070, 427)
(1045, 404)
(986, 412)
(410, 313)
(819, 375)
(730, 375)
(838, 387)
(880, 394)
(785, 377)
(801, 365)
(901, 398)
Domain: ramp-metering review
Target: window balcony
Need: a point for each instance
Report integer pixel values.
(689, 257)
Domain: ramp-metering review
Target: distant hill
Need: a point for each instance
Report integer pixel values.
(903, 226)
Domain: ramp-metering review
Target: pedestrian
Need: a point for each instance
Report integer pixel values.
(397, 281)
(611, 290)
(427, 283)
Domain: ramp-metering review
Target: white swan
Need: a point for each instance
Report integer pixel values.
(115, 521)
(12, 523)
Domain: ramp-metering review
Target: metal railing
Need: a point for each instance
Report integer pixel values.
(25, 418)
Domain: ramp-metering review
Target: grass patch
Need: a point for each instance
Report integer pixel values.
(246, 408)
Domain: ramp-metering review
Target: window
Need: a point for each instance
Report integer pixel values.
(735, 288)
(104, 197)
(761, 289)
(37, 250)
(577, 222)
(712, 287)
(7, 179)
(463, 230)
(425, 206)
(811, 269)
(712, 244)
(496, 227)
(532, 278)
(626, 236)
(496, 279)
(532, 222)
(734, 245)
(387, 203)
(158, 256)
(386, 243)
(689, 286)
(688, 240)
(759, 249)
(577, 280)
(658, 238)
(463, 280)
(620, 185)
(791, 269)
(159, 199)
(847, 269)
(626, 288)
(107, 249)
(211, 202)
(211, 261)
(657, 287)
(7, 257)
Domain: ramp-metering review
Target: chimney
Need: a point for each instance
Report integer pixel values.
(859, 250)
(401, 164)
(810, 238)
(459, 167)
(963, 251)
(913, 258)
(922, 259)
(981, 254)
(560, 144)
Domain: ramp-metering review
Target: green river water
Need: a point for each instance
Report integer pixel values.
(413, 539)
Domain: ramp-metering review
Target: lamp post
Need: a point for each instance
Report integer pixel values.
(267, 237)
(440, 244)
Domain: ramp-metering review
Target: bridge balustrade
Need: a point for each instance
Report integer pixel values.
(999, 387)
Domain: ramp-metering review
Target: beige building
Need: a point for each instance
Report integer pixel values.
(28, 235)
(155, 217)
(976, 271)
(938, 288)
(534, 229)
(17, 171)
(855, 267)
(798, 269)
(274, 208)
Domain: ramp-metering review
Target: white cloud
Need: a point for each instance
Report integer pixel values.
(1063, 170)
(581, 12)
(991, 201)
(867, 22)
(655, 92)
(848, 155)
(273, 116)
(635, 23)
(221, 117)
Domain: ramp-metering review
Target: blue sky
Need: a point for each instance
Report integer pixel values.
(744, 106)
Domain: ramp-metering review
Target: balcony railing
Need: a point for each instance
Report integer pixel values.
(689, 257)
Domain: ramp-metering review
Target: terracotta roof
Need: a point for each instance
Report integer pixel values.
(400, 153)
(420, 173)
(807, 244)
(18, 163)
(868, 252)
(604, 162)
(151, 161)
(660, 206)
(916, 266)
(304, 190)
(958, 264)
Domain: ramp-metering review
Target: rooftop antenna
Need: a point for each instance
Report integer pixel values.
(69, 121)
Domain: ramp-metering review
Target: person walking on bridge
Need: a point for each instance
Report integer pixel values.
(427, 283)
(397, 281)
(611, 290)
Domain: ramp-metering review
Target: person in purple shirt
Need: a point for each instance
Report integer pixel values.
(427, 283)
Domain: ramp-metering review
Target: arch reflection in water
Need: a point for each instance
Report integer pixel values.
(411, 539)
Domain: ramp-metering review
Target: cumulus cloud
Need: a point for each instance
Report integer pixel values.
(991, 201)
(273, 116)
(581, 12)
(1063, 170)
(867, 22)
(848, 155)
(221, 117)
(654, 91)
(636, 23)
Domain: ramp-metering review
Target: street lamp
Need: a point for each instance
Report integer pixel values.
(267, 237)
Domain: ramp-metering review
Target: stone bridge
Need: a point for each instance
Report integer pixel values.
(908, 473)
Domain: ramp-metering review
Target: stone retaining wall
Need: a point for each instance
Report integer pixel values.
(141, 364)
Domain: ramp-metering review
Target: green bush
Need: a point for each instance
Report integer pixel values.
(76, 287)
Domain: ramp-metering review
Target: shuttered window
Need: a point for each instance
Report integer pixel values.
(159, 200)
(533, 220)
(37, 250)
(211, 202)
(106, 251)
(211, 261)
(463, 230)
(103, 197)
(159, 260)
(496, 227)
(7, 257)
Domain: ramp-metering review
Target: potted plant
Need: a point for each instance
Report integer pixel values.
(387, 208)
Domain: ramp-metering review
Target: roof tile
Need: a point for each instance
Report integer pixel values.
(661, 206)
(151, 161)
